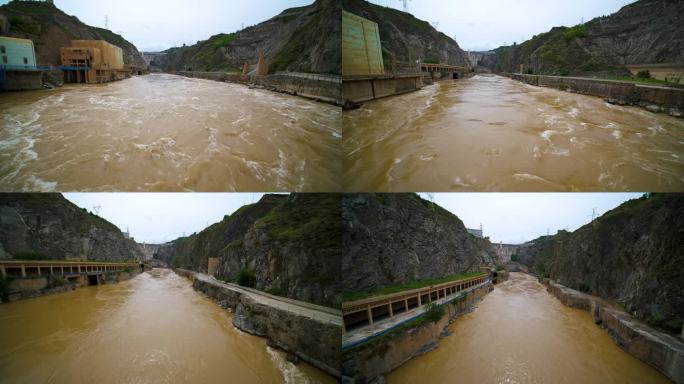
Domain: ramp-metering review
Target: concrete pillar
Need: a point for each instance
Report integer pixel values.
(39, 270)
(51, 271)
(390, 309)
(62, 269)
(79, 268)
(370, 315)
(2, 271)
(406, 304)
(23, 271)
(419, 303)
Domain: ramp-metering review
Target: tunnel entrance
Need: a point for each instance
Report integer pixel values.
(93, 280)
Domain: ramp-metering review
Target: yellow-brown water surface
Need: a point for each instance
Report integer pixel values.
(521, 334)
(153, 328)
(491, 133)
(167, 133)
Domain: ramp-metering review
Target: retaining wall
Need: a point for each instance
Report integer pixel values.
(318, 87)
(378, 357)
(316, 342)
(359, 90)
(654, 98)
(658, 349)
(22, 81)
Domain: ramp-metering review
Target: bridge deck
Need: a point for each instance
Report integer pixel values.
(442, 68)
(60, 267)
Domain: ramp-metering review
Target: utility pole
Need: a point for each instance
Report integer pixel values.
(593, 214)
(405, 2)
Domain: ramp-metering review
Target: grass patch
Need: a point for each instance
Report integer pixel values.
(30, 255)
(353, 296)
(575, 32)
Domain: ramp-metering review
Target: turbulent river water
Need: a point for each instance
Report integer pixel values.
(490, 133)
(521, 334)
(151, 329)
(167, 133)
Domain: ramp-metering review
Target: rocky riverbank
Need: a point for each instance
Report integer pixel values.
(658, 349)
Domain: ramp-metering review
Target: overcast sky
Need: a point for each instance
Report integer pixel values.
(156, 218)
(480, 25)
(506, 217)
(155, 25)
(514, 218)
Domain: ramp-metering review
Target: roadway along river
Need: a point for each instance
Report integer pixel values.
(167, 133)
(521, 334)
(490, 133)
(151, 329)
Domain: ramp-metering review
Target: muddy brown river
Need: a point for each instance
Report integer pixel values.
(521, 334)
(490, 133)
(153, 328)
(167, 133)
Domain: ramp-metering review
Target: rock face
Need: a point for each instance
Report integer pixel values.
(50, 29)
(644, 32)
(407, 39)
(632, 256)
(290, 245)
(303, 39)
(393, 239)
(49, 227)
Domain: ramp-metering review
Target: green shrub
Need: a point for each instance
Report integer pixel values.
(575, 32)
(644, 74)
(530, 71)
(24, 24)
(434, 312)
(4, 287)
(30, 255)
(57, 281)
(246, 277)
(584, 287)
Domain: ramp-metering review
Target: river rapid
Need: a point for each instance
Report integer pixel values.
(162, 132)
(491, 133)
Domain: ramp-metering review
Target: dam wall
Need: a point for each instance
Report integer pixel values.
(654, 98)
(655, 348)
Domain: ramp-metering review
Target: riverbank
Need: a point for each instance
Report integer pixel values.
(324, 88)
(372, 360)
(310, 332)
(657, 349)
(57, 279)
(657, 99)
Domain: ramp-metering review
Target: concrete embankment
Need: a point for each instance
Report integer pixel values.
(30, 287)
(308, 331)
(654, 98)
(325, 88)
(658, 349)
(381, 355)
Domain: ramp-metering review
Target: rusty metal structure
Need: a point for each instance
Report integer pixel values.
(93, 62)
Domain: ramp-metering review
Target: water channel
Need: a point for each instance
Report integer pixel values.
(167, 133)
(490, 133)
(521, 334)
(153, 328)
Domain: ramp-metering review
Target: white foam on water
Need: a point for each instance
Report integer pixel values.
(458, 182)
(36, 184)
(291, 373)
(617, 134)
(574, 112)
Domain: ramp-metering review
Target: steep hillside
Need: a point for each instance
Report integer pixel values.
(632, 255)
(49, 227)
(392, 239)
(50, 29)
(644, 32)
(303, 39)
(285, 245)
(405, 38)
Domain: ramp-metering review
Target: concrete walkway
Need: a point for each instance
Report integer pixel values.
(364, 334)
(301, 308)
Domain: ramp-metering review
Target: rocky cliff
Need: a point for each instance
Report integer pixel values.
(407, 39)
(392, 239)
(303, 39)
(50, 29)
(632, 255)
(644, 32)
(285, 245)
(49, 227)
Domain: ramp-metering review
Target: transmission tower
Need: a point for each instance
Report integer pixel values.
(593, 214)
(405, 2)
(96, 209)
(106, 21)
(435, 24)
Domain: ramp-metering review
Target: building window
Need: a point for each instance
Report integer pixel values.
(4, 59)
(25, 60)
(2, 49)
